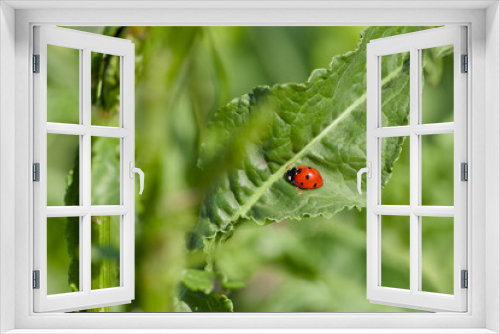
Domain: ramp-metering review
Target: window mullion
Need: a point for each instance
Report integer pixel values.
(414, 172)
(85, 178)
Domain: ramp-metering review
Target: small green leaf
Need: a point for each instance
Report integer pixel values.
(443, 51)
(180, 306)
(432, 62)
(198, 280)
(72, 225)
(233, 285)
(105, 171)
(200, 302)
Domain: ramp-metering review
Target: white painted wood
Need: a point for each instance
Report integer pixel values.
(7, 167)
(471, 322)
(86, 298)
(102, 131)
(40, 156)
(407, 210)
(244, 4)
(415, 180)
(260, 331)
(419, 129)
(414, 297)
(95, 210)
(491, 163)
(434, 211)
(373, 184)
(86, 186)
(128, 185)
(437, 128)
(395, 131)
(76, 129)
(460, 155)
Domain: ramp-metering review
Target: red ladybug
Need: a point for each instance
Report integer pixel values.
(304, 177)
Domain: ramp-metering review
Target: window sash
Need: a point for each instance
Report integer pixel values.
(414, 298)
(86, 297)
(333, 15)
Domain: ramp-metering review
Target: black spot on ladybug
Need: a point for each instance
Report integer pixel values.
(298, 171)
(309, 167)
(314, 185)
(301, 183)
(307, 177)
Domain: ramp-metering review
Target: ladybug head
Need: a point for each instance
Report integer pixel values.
(290, 175)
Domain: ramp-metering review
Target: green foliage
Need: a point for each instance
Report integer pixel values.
(308, 266)
(199, 280)
(105, 85)
(200, 302)
(105, 250)
(205, 290)
(205, 281)
(183, 75)
(105, 171)
(72, 226)
(320, 123)
(432, 61)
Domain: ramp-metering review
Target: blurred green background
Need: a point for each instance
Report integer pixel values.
(183, 74)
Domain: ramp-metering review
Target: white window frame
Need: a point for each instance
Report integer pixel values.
(414, 43)
(16, 21)
(85, 43)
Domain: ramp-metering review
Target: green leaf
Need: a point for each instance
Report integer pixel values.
(200, 302)
(206, 282)
(432, 61)
(180, 306)
(232, 285)
(320, 123)
(72, 225)
(198, 280)
(105, 171)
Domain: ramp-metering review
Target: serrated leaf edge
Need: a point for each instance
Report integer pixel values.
(241, 212)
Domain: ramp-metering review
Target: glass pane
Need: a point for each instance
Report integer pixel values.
(63, 85)
(63, 170)
(105, 171)
(105, 239)
(437, 84)
(395, 110)
(437, 254)
(63, 255)
(395, 251)
(437, 169)
(396, 190)
(105, 89)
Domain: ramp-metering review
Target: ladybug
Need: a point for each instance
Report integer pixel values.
(304, 177)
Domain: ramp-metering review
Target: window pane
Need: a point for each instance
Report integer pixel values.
(437, 254)
(395, 251)
(63, 85)
(63, 255)
(437, 84)
(397, 189)
(63, 170)
(105, 89)
(105, 171)
(105, 250)
(395, 79)
(437, 169)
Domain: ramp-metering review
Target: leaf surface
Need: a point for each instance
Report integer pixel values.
(200, 302)
(198, 280)
(320, 123)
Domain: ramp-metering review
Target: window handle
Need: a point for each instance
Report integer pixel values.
(368, 171)
(141, 175)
